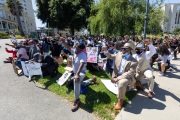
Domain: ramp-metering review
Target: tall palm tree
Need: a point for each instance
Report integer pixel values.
(16, 9)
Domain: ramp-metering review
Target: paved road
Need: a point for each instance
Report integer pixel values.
(22, 100)
(165, 105)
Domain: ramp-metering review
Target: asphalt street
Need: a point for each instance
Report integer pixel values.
(22, 100)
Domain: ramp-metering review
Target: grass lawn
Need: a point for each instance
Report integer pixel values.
(98, 100)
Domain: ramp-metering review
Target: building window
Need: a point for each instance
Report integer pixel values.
(1, 14)
(9, 17)
(176, 18)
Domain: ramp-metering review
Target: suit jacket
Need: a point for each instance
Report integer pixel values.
(129, 67)
(143, 64)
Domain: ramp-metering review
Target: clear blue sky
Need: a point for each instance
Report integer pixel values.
(39, 23)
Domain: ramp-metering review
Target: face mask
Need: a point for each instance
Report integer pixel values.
(77, 51)
(138, 52)
(125, 54)
(39, 61)
(117, 51)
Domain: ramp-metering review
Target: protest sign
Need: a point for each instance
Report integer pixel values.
(110, 86)
(64, 78)
(31, 68)
(92, 54)
(34, 68)
(24, 68)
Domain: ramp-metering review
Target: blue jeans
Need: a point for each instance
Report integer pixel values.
(18, 63)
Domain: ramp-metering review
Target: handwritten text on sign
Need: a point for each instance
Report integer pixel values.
(92, 53)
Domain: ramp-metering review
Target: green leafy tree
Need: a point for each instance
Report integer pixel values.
(63, 14)
(176, 31)
(16, 9)
(119, 17)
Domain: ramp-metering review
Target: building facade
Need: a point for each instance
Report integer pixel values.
(8, 22)
(172, 12)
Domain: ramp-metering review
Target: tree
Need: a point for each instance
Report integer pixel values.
(120, 17)
(16, 9)
(176, 31)
(63, 14)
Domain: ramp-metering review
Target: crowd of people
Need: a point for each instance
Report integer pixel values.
(128, 60)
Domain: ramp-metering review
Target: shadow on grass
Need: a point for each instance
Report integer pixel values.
(93, 98)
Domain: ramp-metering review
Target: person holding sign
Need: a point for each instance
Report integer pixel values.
(79, 69)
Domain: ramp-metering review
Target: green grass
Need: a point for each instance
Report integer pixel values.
(98, 100)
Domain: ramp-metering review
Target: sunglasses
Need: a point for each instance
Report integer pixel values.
(124, 49)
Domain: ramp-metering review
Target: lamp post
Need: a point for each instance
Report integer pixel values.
(48, 25)
(146, 18)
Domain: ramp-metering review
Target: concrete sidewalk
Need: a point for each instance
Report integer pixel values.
(164, 106)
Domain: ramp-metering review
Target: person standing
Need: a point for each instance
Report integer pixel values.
(79, 69)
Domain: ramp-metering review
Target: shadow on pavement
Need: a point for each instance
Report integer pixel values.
(141, 102)
(161, 94)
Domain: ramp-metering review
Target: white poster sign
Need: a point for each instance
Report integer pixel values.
(92, 54)
(24, 68)
(34, 68)
(110, 86)
(64, 78)
(31, 68)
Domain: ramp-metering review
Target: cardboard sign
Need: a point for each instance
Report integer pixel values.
(110, 86)
(24, 68)
(92, 54)
(64, 78)
(31, 68)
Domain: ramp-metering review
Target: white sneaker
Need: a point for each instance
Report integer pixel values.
(161, 74)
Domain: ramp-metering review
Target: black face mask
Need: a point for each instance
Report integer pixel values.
(138, 52)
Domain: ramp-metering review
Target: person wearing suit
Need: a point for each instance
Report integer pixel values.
(123, 72)
(144, 68)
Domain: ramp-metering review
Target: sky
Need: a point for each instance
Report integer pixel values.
(39, 23)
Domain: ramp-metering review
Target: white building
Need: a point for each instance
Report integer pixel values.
(8, 22)
(172, 11)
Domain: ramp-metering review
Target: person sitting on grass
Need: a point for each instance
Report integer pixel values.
(123, 72)
(79, 69)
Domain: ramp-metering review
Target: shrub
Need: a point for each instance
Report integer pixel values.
(19, 37)
(4, 35)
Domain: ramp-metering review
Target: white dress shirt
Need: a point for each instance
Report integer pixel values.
(149, 54)
(123, 61)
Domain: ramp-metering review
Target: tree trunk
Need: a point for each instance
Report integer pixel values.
(18, 18)
(72, 31)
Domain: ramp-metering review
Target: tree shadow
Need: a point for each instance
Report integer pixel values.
(100, 74)
(93, 98)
